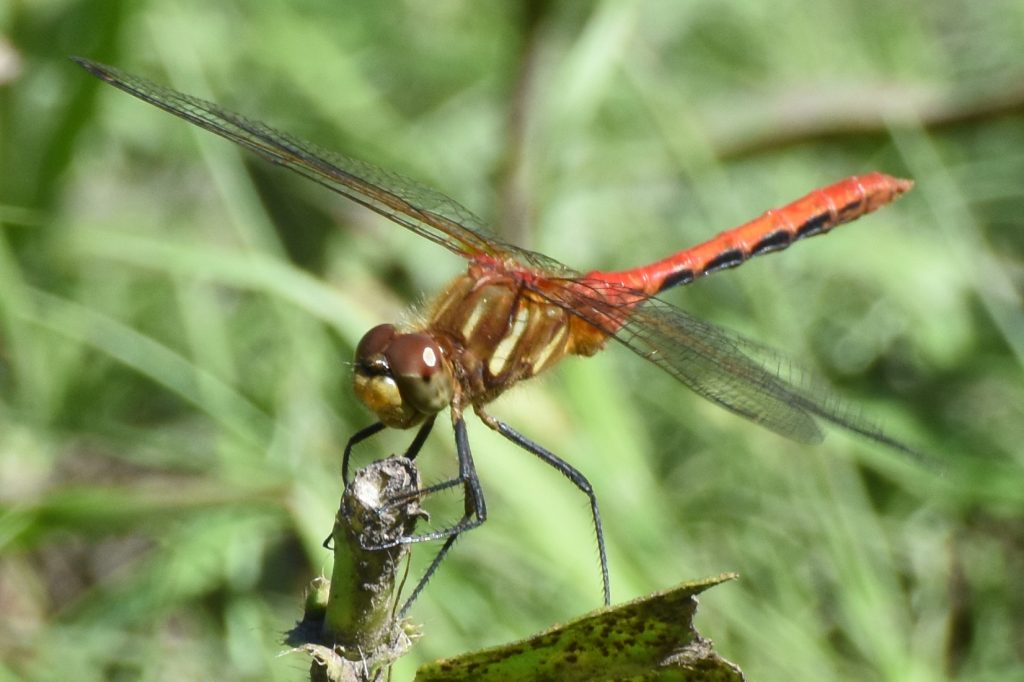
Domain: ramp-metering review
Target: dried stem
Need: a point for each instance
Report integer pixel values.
(350, 627)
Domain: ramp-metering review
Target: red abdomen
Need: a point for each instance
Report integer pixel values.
(774, 230)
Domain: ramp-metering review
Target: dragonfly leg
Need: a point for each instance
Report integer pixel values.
(357, 438)
(420, 439)
(572, 473)
(427, 575)
(414, 447)
(371, 430)
(475, 509)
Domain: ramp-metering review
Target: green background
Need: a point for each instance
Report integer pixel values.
(177, 320)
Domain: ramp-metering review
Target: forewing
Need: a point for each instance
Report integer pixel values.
(417, 207)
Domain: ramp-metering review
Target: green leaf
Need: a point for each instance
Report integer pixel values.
(651, 638)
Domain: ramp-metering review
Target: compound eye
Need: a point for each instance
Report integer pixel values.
(373, 383)
(418, 368)
(370, 351)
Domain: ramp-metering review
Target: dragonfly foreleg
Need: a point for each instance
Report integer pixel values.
(373, 429)
(357, 438)
(572, 473)
(475, 509)
(420, 439)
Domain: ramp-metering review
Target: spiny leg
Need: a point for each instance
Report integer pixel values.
(427, 575)
(475, 508)
(474, 514)
(574, 475)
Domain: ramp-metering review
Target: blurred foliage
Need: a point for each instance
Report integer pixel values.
(177, 318)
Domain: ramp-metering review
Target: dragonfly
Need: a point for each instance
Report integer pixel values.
(515, 313)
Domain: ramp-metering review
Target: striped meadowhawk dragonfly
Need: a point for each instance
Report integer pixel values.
(515, 313)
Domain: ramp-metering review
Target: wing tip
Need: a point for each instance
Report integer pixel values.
(101, 71)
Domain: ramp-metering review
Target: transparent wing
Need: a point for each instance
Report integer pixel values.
(417, 207)
(741, 375)
(712, 363)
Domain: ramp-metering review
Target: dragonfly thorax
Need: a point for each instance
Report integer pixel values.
(402, 377)
(496, 331)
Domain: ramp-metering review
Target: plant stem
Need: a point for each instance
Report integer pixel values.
(350, 627)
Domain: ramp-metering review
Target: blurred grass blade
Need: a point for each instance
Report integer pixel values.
(156, 361)
(251, 271)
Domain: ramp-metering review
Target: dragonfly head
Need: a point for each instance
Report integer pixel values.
(401, 377)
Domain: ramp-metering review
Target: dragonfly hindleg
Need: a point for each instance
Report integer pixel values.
(569, 471)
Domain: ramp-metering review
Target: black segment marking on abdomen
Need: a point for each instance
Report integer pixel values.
(726, 259)
(816, 225)
(774, 241)
(684, 276)
(850, 210)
